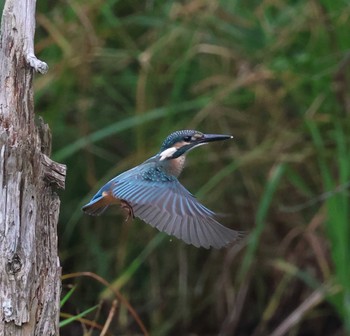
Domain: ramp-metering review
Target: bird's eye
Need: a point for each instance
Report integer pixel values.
(187, 138)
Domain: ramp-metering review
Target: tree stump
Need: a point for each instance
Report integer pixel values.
(29, 264)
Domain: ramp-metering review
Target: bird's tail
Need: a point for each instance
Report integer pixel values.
(97, 206)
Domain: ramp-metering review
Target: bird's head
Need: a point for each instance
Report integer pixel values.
(181, 142)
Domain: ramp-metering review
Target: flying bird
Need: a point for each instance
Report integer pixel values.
(153, 193)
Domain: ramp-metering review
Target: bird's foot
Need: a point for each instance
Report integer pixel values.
(128, 209)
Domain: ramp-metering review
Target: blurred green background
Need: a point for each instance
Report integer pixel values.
(276, 75)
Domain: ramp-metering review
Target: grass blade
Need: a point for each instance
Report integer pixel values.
(76, 317)
(125, 124)
(260, 217)
(67, 296)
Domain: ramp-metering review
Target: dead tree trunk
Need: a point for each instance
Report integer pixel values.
(29, 264)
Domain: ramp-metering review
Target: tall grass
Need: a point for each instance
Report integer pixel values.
(276, 76)
(338, 229)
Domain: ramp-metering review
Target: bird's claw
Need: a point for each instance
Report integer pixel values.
(128, 208)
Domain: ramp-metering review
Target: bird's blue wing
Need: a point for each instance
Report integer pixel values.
(161, 201)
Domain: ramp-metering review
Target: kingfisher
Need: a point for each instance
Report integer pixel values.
(153, 193)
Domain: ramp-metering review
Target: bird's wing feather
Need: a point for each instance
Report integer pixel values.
(161, 201)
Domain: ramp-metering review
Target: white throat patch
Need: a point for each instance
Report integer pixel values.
(167, 153)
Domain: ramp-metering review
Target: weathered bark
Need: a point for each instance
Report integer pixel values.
(29, 264)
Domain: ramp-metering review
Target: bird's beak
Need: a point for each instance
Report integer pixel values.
(205, 139)
(214, 137)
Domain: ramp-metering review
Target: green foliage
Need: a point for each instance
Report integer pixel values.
(124, 74)
(68, 295)
(260, 219)
(338, 210)
(77, 317)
